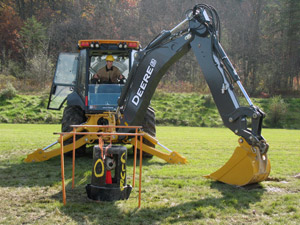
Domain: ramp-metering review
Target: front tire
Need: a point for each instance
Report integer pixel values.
(73, 115)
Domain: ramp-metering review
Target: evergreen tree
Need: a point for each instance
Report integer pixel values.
(33, 37)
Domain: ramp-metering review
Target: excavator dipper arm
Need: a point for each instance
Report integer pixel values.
(202, 37)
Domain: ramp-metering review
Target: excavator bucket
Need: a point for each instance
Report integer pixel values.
(246, 166)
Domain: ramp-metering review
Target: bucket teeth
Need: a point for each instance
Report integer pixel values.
(246, 166)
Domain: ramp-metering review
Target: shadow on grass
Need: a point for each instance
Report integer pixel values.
(48, 173)
(81, 209)
(84, 210)
(233, 198)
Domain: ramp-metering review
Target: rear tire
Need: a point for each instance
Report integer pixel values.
(73, 115)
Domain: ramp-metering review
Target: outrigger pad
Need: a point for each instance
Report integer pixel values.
(108, 181)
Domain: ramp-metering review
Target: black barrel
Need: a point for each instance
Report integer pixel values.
(109, 174)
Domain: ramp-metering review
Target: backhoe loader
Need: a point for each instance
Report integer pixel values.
(128, 104)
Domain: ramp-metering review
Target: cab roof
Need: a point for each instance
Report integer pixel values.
(99, 44)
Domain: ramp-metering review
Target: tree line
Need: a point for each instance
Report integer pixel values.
(261, 37)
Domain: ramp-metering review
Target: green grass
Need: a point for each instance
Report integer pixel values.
(175, 109)
(192, 109)
(28, 109)
(186, 109)
(171, 194)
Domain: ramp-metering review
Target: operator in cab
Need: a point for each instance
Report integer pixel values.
(108, 74)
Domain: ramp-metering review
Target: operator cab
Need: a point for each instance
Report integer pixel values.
(104, 97)
(74, 71)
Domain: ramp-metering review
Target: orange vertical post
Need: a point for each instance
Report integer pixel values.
(62, 168)
(101, 143)
(134, 159)
(73, 168)
(140, 177)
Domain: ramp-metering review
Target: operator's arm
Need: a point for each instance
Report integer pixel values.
(105, 76)
(96, 77)
(118, 73)
(118, 76)
(95, 80)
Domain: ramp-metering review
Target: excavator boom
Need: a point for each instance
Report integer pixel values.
(201, 36)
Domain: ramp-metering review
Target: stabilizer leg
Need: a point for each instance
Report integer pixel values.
(172, 157)
(40, 155)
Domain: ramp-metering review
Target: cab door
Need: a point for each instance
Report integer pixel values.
(64, 79)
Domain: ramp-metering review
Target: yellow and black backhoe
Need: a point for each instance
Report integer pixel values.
(127, 103)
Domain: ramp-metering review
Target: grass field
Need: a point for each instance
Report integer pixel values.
(171, 194)
(175, 109)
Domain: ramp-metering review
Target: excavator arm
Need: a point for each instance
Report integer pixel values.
(199, 32)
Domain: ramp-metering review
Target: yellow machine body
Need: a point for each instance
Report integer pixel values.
(173, 157)
(42, 155)
(246, 166)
